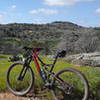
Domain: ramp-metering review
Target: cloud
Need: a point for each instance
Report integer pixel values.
(64, 2)
(3, 13)
(43, 11)
(98, 10)
(39, 21)
(13, 6)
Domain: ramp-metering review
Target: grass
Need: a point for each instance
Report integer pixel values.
(4, 64)
(91, 73)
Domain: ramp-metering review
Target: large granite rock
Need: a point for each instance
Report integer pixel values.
(90, 59)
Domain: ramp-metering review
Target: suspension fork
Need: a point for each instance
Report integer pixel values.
(22, 73)
(24, 69)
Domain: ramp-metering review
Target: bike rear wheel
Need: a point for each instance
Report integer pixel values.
(19, 85)
(70, 84)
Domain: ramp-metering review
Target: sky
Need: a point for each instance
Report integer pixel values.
(81, 12)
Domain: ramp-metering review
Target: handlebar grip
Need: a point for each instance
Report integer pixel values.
(27, 48)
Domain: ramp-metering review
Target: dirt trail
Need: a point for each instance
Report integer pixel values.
(9, 96)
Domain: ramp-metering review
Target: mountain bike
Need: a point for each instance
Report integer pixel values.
(65, 84)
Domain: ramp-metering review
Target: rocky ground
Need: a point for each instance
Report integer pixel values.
(9, 96)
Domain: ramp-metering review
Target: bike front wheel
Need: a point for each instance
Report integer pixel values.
(19, 79)
(70, 84)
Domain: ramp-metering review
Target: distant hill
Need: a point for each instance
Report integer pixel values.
(52, 36)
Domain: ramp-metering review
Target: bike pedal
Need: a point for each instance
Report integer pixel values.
(46, 85)
(43, 88)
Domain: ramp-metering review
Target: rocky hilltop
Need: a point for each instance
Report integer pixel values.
(52, 36)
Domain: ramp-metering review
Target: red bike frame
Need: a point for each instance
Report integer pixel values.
(35, 57)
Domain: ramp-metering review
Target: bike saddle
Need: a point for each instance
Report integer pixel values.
(62, 53)
(34, 48)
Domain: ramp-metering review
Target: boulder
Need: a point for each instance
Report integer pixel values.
(88, 59)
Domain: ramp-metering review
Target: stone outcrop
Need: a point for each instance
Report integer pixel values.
(88, 59)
